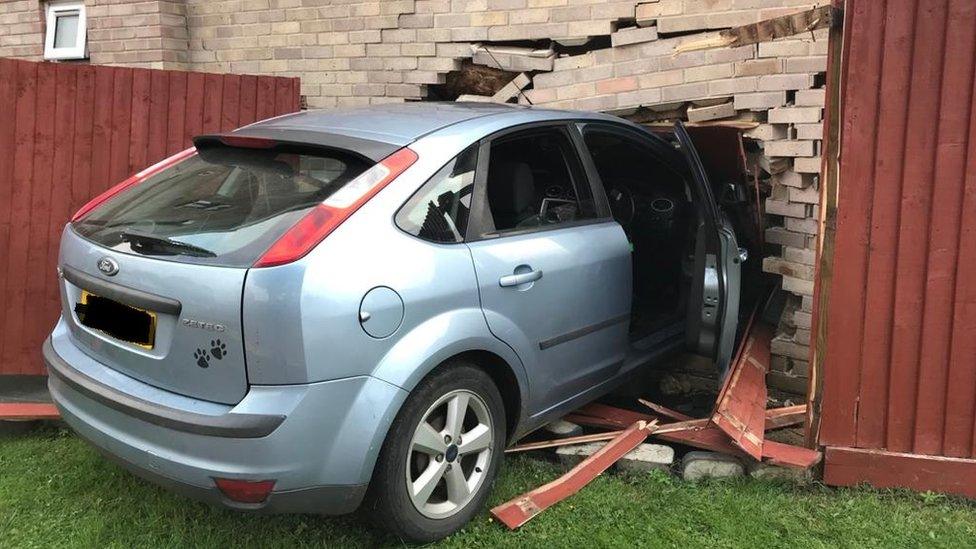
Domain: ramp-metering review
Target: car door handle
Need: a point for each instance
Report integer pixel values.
(508, 281)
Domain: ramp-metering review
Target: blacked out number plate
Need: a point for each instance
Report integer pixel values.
(117, 320)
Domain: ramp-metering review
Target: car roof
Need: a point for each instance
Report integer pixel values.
(378, 130)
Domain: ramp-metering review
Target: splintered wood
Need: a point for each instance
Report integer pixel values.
(518, 511)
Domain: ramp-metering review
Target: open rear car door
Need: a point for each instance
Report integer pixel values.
(713, 306)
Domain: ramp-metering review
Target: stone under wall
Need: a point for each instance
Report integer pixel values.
(608, 55)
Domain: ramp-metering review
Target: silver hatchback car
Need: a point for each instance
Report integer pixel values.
(333, 310)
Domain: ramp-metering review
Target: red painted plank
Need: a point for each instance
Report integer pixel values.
(81, 169)
(212, 98)
(28, 411)
(195, 86)
(265, 97)
(740, 411)
(787, 455)
(960, 401)
(121, 124)
(853, 466)
(158, 117)
(249, 96)
(846, 319)
(33, 317)
(905, 399)
(518, 511)
(64, 133)
(231, 105)
(947, 185)
(880, 290)
(139, 133)
(176, 117)
(102, 130)
(9, 90)
(283, 96)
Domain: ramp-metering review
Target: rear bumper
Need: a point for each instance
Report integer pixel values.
(318, 441)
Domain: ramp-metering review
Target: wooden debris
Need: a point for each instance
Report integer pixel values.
(764, 31)
(521, 509)
(777, 418)
(567, 441)
(741, 408)
(28, 411)
(664, 411)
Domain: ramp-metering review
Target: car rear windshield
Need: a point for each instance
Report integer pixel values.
(223, 206)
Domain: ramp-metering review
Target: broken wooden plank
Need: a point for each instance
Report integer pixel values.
(764, 31)
(28, 411)
(521, 509)
(664, 411)
(777, 418)
(566, 441)
(787, 455)
(741, 408)
(621, 417)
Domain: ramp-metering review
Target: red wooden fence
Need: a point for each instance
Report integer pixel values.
(899, 393)
(68, 132)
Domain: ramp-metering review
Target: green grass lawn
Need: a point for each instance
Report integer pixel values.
(55, 491)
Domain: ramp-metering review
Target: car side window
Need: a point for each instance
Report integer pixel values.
(438, 211)
(535, 179)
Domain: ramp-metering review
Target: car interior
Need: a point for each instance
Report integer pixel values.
(531, 184)
(653, 205)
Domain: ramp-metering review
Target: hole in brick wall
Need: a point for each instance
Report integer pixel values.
(470, 80)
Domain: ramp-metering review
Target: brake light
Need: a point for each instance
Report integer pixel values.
(245, 142)
(133, 180)
(245, 491)
(325, 217)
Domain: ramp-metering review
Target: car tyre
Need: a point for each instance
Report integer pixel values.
(405, 496)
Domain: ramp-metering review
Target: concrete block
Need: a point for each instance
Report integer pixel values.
(783, 48)
(806, 226)
(779, 266)
(795, 115)
(570, 456)
(760, 101)
(648, 13)
(761, 470)
(633, 35)
(708, 72)
(800, 255)
(785, 346)
(792, 178)
(703, 114)
(789, 148)
(474, 98)
(798, 286)
(787, 382)
(759, 67)
(684, 92)
(807, 165)
(810, 98)
(699, 465)
(808, 195)
(767, 132)
(647, 457)
(809, 131)
(812, 64)
(774, 82)
(511, 89)
(779, 235)
(784, 208)
(732, 86)
(803, 319)
(562, 428)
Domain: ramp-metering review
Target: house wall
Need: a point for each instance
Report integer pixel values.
(607, 55)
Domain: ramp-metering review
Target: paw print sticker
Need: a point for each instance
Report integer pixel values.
(218, 349)
(203, 360)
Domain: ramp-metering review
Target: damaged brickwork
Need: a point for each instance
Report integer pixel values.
(605, 55)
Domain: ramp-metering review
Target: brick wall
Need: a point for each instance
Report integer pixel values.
(608, 55)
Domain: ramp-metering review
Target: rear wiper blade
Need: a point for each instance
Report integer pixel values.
(140, 241)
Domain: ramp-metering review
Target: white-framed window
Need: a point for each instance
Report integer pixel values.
(65, 31)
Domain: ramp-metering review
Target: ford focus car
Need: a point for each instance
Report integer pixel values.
(336, 310)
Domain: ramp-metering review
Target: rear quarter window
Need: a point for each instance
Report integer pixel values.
(224, 206)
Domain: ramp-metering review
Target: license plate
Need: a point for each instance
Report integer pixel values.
(117, 320)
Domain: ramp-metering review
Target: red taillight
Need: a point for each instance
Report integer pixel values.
(245, 491)
(325, 217)
(132, 180)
